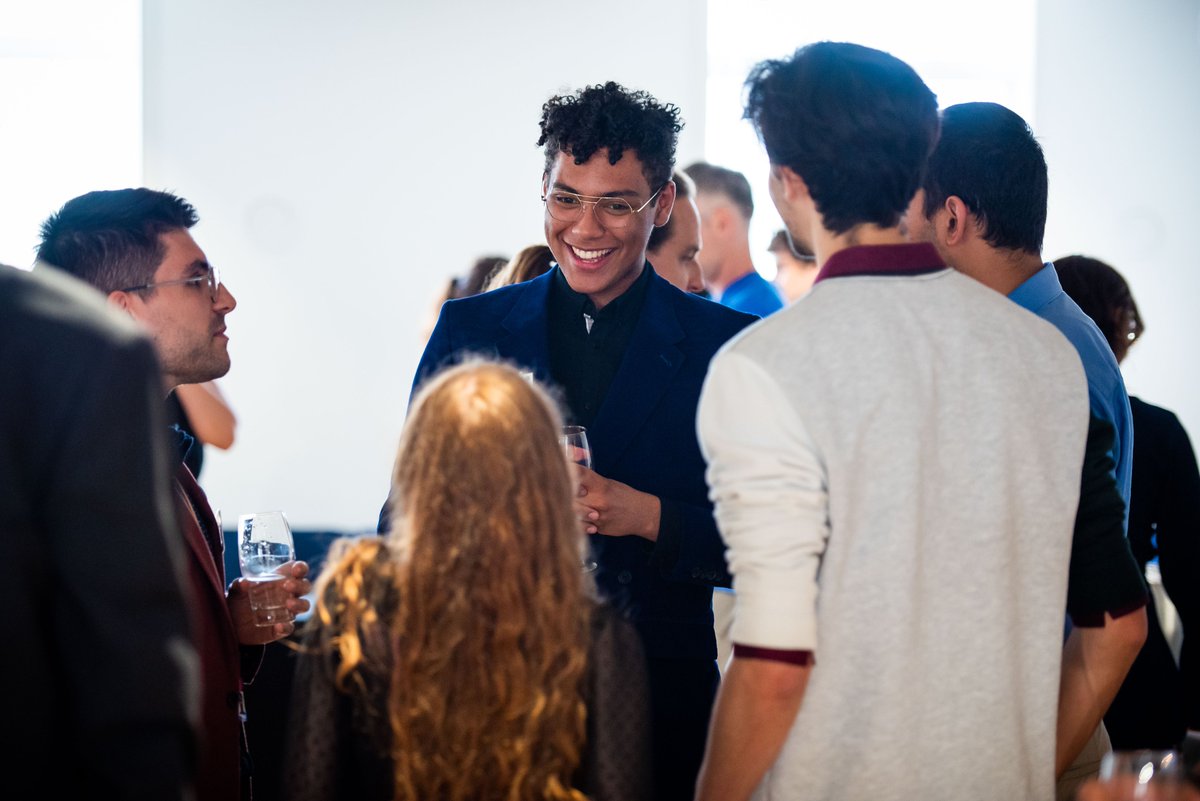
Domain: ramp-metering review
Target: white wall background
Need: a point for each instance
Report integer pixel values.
(70, 109)
(346, 159)
(1118, 109)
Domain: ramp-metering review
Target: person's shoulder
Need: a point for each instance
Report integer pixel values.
(48, 300)
(486, 308)
(49, 312)
(1148, 415)
(710, 313)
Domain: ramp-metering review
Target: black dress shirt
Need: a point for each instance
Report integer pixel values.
(586, 349)
(587, 346)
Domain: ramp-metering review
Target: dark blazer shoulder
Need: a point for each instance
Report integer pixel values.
(705, 320)
(486, 307)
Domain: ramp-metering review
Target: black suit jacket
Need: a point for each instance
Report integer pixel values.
(99, 671)
(644, 435)
(1159, 699)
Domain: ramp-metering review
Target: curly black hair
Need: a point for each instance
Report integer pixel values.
(614, 118)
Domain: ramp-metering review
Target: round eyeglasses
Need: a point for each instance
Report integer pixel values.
(611, 212)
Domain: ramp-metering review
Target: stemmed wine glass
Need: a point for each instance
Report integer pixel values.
(265, 545)
(575, 445)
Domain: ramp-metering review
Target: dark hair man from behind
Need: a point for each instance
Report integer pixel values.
(989, 157)
(112, 239)
(629, 352)
(726, 205)
(850, 187)
(983, 206)
(820, 503)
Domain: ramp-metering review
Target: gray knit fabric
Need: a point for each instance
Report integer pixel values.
(895, 463)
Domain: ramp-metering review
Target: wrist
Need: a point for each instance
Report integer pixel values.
(653, 518)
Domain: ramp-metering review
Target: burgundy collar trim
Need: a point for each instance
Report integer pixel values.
(906, 259)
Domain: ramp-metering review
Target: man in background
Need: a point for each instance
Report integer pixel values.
(726, 205)
(101, 672)
(794, 272)
(674, 247)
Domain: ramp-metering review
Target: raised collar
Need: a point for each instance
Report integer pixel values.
(563, 295)
(905, 259)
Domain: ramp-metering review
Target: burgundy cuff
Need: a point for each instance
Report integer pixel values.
(801, 658)
(1095, 620)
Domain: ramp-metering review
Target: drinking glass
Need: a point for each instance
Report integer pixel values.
(1152, 775)
(575, 445)
(265, 545)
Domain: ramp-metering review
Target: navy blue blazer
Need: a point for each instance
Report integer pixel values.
(644, 435)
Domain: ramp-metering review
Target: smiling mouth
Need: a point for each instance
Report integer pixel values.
(590, 255)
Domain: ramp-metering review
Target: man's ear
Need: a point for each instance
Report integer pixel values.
(121, 301)
(794, 187)
(958, 221)
(664, 204)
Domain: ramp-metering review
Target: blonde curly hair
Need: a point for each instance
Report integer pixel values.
(473, 613)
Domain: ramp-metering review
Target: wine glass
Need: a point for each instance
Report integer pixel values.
(264, 546)
(575, 445)
(1153, 775)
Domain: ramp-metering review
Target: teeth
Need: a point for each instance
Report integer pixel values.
(590, 255)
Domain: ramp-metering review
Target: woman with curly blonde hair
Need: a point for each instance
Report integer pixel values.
(464, 655)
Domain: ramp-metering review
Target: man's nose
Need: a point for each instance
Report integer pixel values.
(589, 220)
(225, 302)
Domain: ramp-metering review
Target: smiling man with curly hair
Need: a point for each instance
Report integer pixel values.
(628, 352)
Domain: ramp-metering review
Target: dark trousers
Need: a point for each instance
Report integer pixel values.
(682, 692)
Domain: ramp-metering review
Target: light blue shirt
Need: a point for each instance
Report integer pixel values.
(752, 294)
(1043, 295)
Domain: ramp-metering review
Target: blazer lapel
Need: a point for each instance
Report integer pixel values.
(193, 503)
(650, 364)
(526, 340)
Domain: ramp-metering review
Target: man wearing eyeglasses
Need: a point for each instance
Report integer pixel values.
(135, 246)
(629, 352)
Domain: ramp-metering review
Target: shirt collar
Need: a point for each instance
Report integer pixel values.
(181, 441)
(904, 259)
(562, 295)
(1038, 289)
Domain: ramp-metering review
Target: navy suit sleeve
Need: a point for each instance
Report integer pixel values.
(689, 547)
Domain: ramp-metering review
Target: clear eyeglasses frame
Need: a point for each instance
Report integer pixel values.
(211, 277)
(612, 212)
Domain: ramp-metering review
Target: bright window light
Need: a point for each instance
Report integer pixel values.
(71, 119)
(963, 52)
